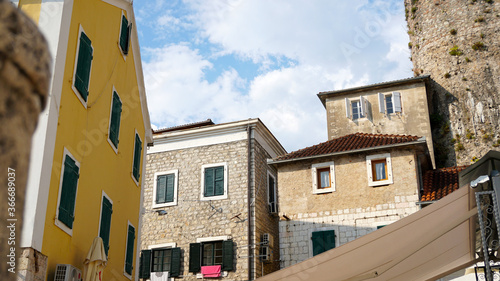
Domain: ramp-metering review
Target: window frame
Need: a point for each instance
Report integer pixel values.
(73, 87)
(225, 267)
(155, 187)
(275, 202)
(57, 222)
(363, 106)
(125, 273)
(137, 181)
(369, 166)
(115, 148)
(396, 101)
(164, 246)
(104, 195)
(215, 197)
(315, 177)
(321, 229)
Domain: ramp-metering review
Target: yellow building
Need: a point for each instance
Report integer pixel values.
(85, 178)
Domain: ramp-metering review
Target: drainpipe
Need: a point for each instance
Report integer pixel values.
(249, 204)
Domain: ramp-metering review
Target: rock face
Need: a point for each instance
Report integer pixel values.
(457, 43)
(24, 79)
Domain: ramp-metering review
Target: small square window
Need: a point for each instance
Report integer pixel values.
(165, 189)
(323, 175)
(214, 181)
(379, 169)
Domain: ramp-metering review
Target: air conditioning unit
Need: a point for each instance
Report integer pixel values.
(67, 272)
(265, 254)
(267, 240)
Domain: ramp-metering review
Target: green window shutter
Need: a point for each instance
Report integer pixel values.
(209, 182)
(170, 188)
(175, 262)
(214, 181)
(68, 192)
(114, 127)
(219, 180)
(161, 186)
(323, 241)
(145, 264)
(227, 255)
(137, 157)
(195, 257)
(107, 210)
(84, 62)
(125, 35)
(129, 256)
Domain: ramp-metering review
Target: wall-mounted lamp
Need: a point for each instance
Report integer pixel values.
(159, 212)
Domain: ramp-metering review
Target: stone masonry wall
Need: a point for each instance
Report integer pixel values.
(32, 265)
(352, 210)
(457, 42)
(192, 218)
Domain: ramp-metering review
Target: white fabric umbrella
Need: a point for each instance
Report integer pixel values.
(95, 262)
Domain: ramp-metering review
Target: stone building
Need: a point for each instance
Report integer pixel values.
(457, 43)
(210, 202)
(342, 189)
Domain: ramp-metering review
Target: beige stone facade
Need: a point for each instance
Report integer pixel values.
(412, 120)
(193, 218)
(353, 208)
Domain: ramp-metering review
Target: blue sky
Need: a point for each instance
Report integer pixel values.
(230, 60)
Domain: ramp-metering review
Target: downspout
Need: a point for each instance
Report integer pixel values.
(249, 203)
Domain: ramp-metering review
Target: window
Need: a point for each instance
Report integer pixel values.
(356, 108)
(114, 121)
(211, 252)
(83, 64)
(129, 250)
(165, 189)
(271, 193)
(160, 259)
(105, 223)
(322, 241)
(214, 181)
(136, 168)
(125, 30)
(389, 103)
(379, 169)
(70, 173)
(323, 175)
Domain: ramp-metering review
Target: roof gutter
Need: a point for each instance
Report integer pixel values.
(419, 141)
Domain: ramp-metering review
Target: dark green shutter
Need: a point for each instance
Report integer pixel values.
(161, 185)
(68, 192)
(219, 180)
(227, 255)
(129, 256)
(114, 127)
(175, 262)
(323, 241)
(209, 182)
(195, 257)
(170, 188)
(137, 157)
(107, 210)
(124, 35)
(145, 264)
(83, 65)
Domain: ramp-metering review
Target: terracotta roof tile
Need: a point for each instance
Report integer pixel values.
(440, 182)
(347, 143)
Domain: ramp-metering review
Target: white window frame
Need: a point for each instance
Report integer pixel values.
(133, 256)
(314, 173)
(163, 246)
(168, 204)
(202, 193)
(57, 222)
(382, 104)
(334, 228)
(363, 108)
(269, 174)
(369, 159)
(133, 160)
(212, 239)
(77, 93)
(115, 149)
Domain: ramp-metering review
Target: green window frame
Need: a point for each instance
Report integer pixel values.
(114, 122)
(214, 181)
(137, 158)
(160, 260)
(125, 31)
(83, 66)
(211, 253)
(129, 252)
(165, 187)
(322, 241)
(105, 225)
(70, 176)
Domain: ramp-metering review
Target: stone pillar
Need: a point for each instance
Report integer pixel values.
(24, 83)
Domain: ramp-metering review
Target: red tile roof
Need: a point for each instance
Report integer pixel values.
(440, 182)
(347, 143)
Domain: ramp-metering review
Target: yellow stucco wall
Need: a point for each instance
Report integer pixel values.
(32, 8)
(83, 132)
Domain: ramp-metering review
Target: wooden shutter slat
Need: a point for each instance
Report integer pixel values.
(209, 182)
(145, 264)
(227, 255)
(114, 128)
(107, 210)
(130, 249)
(68, 192)
(396, 101)
(124, 35)
(195, 257)
(175, 262)
(219, 180)
(83, 66)
(161, 185)
(137, 157)
(169, 188)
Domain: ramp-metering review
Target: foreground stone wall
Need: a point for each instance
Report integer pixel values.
(457, 42)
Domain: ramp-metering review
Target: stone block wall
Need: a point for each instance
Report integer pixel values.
(32, 265)
(457, 42)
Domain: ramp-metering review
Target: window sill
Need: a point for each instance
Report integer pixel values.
(379, 183)
(63, 227)
(324, 190)
(169, 204)
(211, 198)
